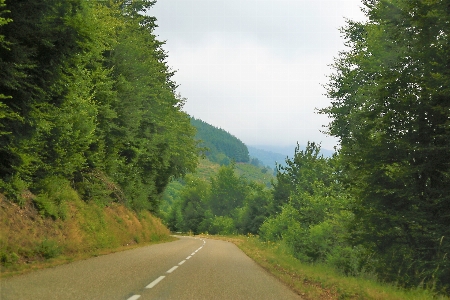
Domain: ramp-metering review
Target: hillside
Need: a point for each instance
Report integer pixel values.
(30, 239)
(91, 129)
(267, 158)
(221, 146)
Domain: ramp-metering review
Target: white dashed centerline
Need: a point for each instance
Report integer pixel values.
(172, 269)
(155, 282)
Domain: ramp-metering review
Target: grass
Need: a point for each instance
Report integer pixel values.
(31, 240)
(319, 281)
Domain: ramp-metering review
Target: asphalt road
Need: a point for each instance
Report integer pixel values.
(189, 268)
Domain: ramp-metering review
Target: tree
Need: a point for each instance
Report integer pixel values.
(255, 209)
(228, 191)
(194, 197)
(300, 174)
(391, 110)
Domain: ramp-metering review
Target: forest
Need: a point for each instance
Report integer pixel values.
(87, 103)
(217, 143)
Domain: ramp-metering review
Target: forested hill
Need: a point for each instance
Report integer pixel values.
(221, 145)
(87, 103)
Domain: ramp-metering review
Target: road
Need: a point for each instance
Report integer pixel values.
(189, 268)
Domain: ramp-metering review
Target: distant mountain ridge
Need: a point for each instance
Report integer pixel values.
(267, 158)
(269, 155)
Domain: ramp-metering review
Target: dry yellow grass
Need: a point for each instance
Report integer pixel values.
(29, 240)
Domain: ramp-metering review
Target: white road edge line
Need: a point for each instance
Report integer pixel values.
(155, 282)
(181, 262)
(172, 269)
(134, 297)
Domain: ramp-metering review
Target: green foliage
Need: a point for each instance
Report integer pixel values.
(8, 258)
(314, 217)
(53, 194)
(255, 209)
(194, 198)
(48, 249)
(390, 109)
(301, 174)
(274, 227)
(13, 188)
(228, 191)
(226, 203)
(222, 225)
(86, 96)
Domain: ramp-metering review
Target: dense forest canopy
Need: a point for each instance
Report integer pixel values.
(218, 142)
(87, 99)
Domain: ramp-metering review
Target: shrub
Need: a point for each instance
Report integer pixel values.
(48, 249)
(53, 193)
(222, 225)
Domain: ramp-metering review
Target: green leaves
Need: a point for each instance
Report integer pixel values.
(392, 122)
(85, 90)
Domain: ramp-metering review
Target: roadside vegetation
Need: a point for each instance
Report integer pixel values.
(320, 281)
(92, 133)
(91, 129)
(30, 240)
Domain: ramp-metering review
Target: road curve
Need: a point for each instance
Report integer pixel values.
(189, 268)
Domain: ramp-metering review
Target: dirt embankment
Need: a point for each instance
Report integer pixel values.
(30, 240)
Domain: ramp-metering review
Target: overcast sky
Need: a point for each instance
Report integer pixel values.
(255, 67)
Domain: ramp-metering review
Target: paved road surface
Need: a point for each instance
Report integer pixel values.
(189, 268)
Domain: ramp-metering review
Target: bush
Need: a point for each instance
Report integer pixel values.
(222, 225)
(53, 195)
(48, 249)
(8, 258)
(273, 228)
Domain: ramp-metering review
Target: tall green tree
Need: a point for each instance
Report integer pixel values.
(391, 111)
(300, 174)
(193, 204)
(47, 89)
(228, 191)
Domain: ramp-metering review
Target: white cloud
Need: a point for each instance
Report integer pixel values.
(254, 67)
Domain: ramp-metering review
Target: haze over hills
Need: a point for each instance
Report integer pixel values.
(224, 147)
(267, 158)
(269, 155)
